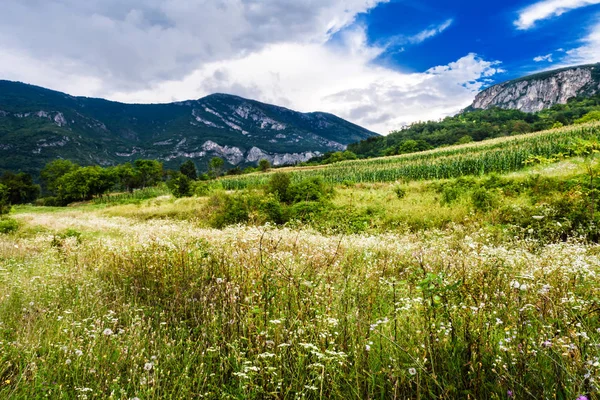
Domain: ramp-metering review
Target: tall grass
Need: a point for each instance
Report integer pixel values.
(165, 310)
(132, 197)
(498, 155)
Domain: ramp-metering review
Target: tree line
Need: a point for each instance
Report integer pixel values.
(63, 182)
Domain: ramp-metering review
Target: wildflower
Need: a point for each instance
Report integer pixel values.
(515, 285)
(148, 366)
(68, 361)
(510, 394)
(582, 397)
(547, 343)
(367, 347)
(107, 332)
(412, 371)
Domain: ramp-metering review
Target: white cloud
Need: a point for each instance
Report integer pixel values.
(589, 50)
(547, 57)
(341, 80)
(547, 9)
(274, 51)
(430, 33)
(135, 43)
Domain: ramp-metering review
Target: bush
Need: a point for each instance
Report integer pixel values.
(400, 192)
(8, 225)
(483, 199)
(310, 189)
(180, 185)
(278, 185)
(246, 207)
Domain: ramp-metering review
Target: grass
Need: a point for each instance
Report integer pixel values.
(502, 155)
(427, 294)
(162, 309)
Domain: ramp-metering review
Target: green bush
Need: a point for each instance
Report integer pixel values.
(484, 199)
(180, 185)
(309, 189)
(8, 225)
(278, 185)
(246, 207)
(400, 192)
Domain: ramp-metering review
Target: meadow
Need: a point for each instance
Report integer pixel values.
(474, 285)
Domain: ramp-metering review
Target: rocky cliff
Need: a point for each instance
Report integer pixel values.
(537, 92)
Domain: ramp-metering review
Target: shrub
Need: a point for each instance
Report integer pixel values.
(278, 185)
(8, 225)
(483, 199)
(310, 189)
(180, 185)
(400, 192)
(264, 165)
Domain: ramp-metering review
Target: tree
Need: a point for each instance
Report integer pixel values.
(53, 171)
(129, 178)
(21, 188)
(215, 167)
(85, 183)
(278, 185)
(4, 205)
(180, 185)
(188, 169)
(264, 165)
(150, 172)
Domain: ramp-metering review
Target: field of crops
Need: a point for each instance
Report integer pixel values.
(500, 155)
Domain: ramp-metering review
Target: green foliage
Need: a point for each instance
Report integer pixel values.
(53, 171)
(180, 185)
(150, 172)
(215, 167)
(246, 207)
(477, 125)
(8, 225)
(310, 189)
(21, 188)
(589, 117)
(400, 191)
(495, 156)
(4, 203)
(484, 199)
(188, 169)
(85, 183)
(264, 165)
(278, 185)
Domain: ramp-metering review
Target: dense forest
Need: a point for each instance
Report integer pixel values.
(476, 125)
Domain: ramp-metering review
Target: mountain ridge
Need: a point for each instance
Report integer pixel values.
(542, 90)
(38, 125)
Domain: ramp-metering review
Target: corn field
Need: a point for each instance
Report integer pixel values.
(500, 155)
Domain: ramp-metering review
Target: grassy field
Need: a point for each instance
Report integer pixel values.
(500, 155)
(480, 287)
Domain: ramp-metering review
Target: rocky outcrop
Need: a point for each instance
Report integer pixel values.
(541, 91)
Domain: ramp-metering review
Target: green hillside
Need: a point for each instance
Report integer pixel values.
(38, 125)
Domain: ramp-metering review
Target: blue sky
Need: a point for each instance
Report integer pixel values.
(486, 28)
(382, 64)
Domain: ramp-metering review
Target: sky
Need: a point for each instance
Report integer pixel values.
(381, 64)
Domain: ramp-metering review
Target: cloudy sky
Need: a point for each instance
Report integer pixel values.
(379, 63)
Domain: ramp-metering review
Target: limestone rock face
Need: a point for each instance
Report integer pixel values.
(541, 91)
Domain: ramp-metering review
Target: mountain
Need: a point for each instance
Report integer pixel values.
(38, 125)
(540, 91)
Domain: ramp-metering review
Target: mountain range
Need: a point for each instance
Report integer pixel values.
(38, 125)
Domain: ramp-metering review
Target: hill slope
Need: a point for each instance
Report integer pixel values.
(540, 91)
(38, 125)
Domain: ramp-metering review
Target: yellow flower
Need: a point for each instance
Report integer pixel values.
(7, 381)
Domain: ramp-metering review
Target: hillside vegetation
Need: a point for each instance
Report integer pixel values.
(478, 125)
(464, 272)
